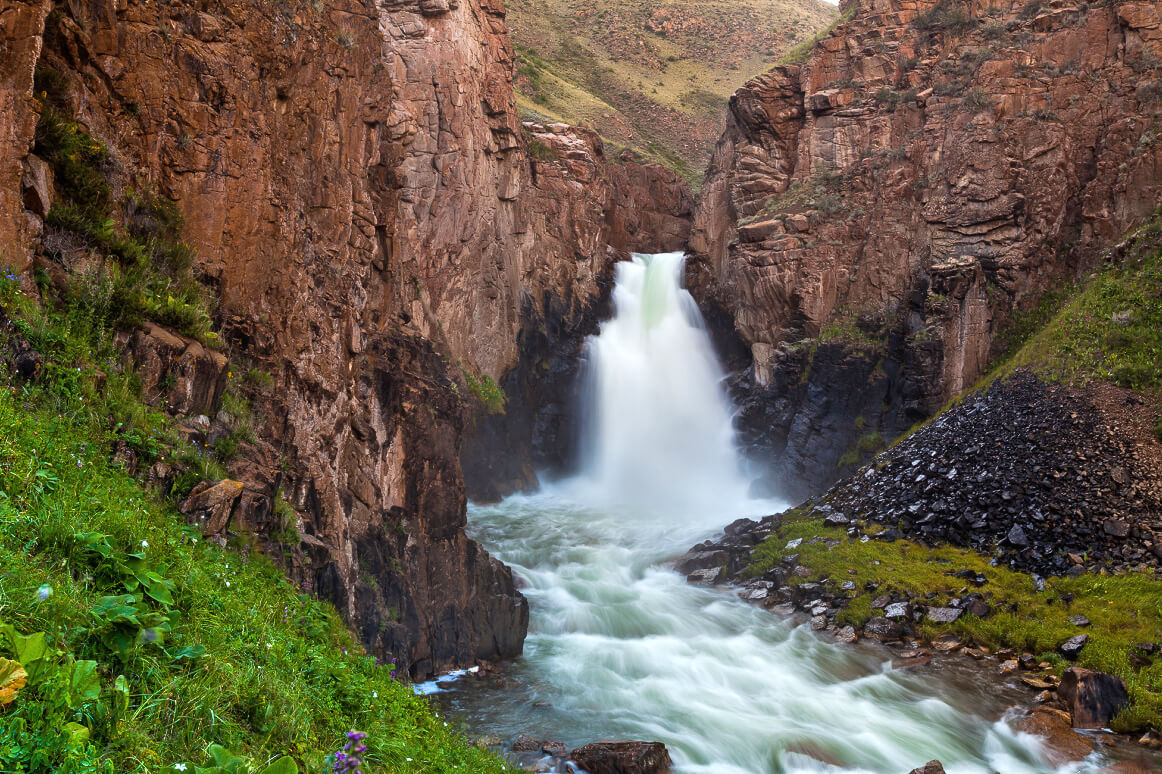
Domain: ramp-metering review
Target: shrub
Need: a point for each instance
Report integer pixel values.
(486, 392)
(947, 17)
(977, 100)
(542, 151)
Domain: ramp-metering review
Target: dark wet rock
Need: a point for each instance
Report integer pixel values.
(1071, 648)
(623, 758)
(1079, 620)
(931, 767)
(836, 520)
(526, 743)
(1091, 697)
(884, 628)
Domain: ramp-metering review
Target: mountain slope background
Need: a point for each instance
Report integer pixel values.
(654, 77)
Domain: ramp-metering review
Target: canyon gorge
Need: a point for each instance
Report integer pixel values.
(406, 273)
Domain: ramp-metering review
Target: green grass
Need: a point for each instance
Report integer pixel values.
(133, 237)
(485, 392)
(1112, 328)
(802, 52)
(157, 644)
(1125, 610)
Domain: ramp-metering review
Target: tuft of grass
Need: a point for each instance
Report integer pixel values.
(802, 52)
(485, 391)
(1125, 610)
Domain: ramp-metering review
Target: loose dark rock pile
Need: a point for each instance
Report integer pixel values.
(1028, 470)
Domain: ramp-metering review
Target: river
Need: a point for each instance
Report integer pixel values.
(620, 646)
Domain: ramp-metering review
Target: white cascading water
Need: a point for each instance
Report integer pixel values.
(620, 646)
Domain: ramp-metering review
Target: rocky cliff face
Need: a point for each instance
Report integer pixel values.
(873, 216)
(356, 183)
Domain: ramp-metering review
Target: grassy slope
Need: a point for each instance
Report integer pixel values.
(278, 673)
(651, 76)
(126, 644)
(1072, 337)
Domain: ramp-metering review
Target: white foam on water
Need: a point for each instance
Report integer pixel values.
(620, 646)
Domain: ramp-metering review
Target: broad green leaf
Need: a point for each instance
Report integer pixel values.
(12, 679)
(121, 695)
(191, 652)
(83, 683)
(28, 648)
(284, 765)
(77, 734)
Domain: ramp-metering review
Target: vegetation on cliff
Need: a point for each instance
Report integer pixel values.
(129, 644)
(652, 77)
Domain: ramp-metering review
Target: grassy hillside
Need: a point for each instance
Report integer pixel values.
(655, 77)
(127, 643)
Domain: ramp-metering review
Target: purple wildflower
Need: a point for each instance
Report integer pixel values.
(347, 760)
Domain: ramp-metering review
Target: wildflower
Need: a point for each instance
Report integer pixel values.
(347, 760)
(44, 592)
(179, 767)
(145, 544)
(227, 584)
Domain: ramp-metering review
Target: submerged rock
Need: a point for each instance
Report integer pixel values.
(1062, 744)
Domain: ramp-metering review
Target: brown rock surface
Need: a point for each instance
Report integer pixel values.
(622, 758)
(1062, 744)
(356, 183)
(1092, 698)
(930, 219)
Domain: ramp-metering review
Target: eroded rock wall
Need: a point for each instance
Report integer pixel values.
(873, 216)
(356, 182)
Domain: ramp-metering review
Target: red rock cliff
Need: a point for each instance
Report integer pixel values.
(356, 182)
(872, 217)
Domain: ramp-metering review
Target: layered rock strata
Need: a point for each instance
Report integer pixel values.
(872, 215)
(358, 187)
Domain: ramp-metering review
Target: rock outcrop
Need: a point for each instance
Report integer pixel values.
(872, 216)
(359, 190)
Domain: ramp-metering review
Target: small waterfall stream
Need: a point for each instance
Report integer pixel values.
(622, 647)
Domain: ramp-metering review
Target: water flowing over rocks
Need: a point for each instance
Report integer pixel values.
(364, 203)
(872, 217)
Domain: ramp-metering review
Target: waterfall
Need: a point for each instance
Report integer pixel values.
(658, 424)
(621, 646)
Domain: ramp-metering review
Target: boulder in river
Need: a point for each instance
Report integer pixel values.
(1062, 744)
(1092, 698)
(623, 758)
(931, 767)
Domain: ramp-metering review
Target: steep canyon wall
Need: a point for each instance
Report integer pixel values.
(872, 216)
(359, 189)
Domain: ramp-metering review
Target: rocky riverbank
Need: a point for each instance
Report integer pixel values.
(1020, 529)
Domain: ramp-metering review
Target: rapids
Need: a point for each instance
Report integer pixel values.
(620, 646)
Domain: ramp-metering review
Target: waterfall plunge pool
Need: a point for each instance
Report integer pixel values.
(621, 647)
